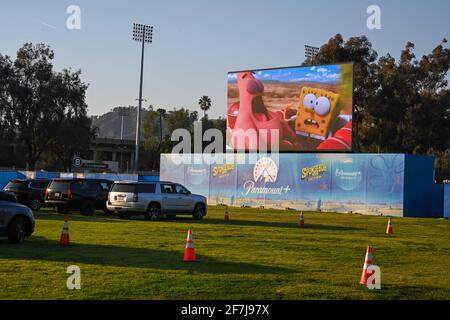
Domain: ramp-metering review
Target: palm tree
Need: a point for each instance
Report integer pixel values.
(205, 104)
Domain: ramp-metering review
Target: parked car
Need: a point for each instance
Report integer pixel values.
(153, 199)
(84, 195)
(16, 220)
(29, 192)
(6, 196)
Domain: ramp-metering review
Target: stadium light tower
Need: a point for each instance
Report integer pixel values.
(310, 52)
(143, 34)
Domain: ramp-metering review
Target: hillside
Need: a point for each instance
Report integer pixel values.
(109, 124)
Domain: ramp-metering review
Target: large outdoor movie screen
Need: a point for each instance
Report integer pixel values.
(292, 109)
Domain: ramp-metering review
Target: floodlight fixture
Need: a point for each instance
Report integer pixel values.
(142, 33)
(310, 51)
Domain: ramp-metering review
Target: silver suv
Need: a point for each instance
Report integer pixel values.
(16, 220)
(153, 199)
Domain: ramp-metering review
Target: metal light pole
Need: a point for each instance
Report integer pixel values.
(144, 34)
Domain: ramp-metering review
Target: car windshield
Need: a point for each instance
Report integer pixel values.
(39, 184)
(124, 187)
(181, 189)
(59, 185)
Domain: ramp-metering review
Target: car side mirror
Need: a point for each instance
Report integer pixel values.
(188, 193)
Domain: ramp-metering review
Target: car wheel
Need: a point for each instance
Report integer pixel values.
(16, 231)
(35, 204)
(87, 209)
(107, 212)
(153, 212)
(199, 212)
(62, 209)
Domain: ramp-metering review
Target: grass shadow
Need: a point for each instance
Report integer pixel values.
(99, 217)
(43, 249)
(74, 216)
(271, 224)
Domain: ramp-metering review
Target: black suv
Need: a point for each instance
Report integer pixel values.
(84, 195)
(29, 192)
(6, 196)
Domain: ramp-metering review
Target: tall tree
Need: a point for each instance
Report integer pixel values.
(410, 108)
(74, 130)
(205, 104)
(39, 106)
(26, 98)
(151, 130)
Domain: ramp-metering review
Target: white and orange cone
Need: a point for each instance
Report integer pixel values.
(389, 229)
(301, 222)
(227, 214)
(367, 263)
(189, 251)
(64, 240)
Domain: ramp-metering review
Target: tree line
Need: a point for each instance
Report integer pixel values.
(42, 109)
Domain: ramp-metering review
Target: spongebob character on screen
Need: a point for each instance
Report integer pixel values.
(317, 113)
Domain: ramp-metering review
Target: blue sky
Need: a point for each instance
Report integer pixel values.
(323, 74)
(197, 42)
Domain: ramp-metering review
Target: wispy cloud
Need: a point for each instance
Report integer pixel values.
(47, 25)
(232, 77)
(321, 74)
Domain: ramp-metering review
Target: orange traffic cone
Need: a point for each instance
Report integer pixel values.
(64, 240)
(367, 263)
(301, 222)
(189, 251)
(227, 215)
(389, 229)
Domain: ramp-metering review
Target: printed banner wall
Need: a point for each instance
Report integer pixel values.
(360, 183)
(447, 201)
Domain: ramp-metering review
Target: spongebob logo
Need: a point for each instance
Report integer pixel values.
(223, 171)
(314, 172)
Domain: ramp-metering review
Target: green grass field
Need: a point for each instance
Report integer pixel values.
(260, 254)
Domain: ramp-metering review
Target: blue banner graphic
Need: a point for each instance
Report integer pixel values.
(360, 183)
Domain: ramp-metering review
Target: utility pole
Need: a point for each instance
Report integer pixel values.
(123, 112)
